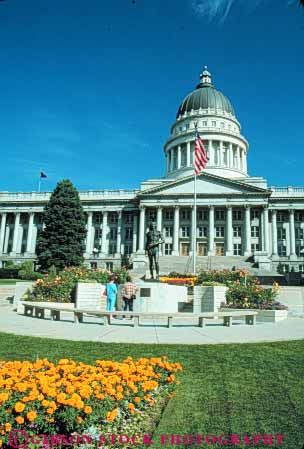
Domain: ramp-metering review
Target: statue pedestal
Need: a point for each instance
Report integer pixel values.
(139, 264)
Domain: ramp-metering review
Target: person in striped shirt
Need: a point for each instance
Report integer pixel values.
(129, 294)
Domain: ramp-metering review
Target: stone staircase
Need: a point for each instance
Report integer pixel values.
(183, 264)
(6, 294)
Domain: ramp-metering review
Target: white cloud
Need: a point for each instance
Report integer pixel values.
(221, 8)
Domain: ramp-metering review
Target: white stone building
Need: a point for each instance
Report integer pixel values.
(239, 217)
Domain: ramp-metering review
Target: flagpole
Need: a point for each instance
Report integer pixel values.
(39, 185)
(194, 228)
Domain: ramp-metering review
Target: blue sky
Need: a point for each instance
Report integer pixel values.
(89, 89)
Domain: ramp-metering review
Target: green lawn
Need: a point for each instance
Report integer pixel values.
(10, 281)
(244, 389)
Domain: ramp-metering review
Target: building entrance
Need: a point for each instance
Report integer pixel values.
(184, 249)
(220, 249)
(202, 249)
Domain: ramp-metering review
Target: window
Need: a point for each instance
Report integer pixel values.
(128, 233)
(98, 233)
(185, 215)
(222, 125)
(214, 124)
(301, 268)
(168, 214)
(237, 249)
(237, 231)
(113, 218)
(109, 266)
(180, 129)
(202, 215)
(299, 216)
(185, 231)
(112, 248)
(97, 218)
(202, 231)
(175, 159)
(93, 265)
(168, 249)
(151, 215)
(113, 234)
(219, 231)
(168, 231)
(299, 249)
(255, 247)
(299, 233)
(237, 215)
(187, 126)
(127, 250)
(129, 218)
(254, 213)
(255, 231)
(281, 233)
(285, 268)
(184, 157)
(282, 216)
(204, 123)
(220, 215)
(282, 250)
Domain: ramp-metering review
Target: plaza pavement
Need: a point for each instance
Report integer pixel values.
(122, 331)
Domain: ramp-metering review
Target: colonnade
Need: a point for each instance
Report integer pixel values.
(140, 223)
(221, 154)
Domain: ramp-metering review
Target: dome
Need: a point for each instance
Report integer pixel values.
(205, 96)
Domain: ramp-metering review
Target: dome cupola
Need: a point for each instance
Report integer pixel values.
(216, 121)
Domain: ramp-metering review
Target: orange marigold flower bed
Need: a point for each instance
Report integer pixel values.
(73, 396)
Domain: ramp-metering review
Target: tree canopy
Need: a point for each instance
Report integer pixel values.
(61, 242)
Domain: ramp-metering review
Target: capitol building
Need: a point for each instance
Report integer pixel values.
(240, 219)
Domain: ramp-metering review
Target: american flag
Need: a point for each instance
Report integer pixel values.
(201, 156)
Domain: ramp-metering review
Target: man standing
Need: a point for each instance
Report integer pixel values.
(129, 294)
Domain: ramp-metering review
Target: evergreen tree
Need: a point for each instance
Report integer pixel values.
(61, 242)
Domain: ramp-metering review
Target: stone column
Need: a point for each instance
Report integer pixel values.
(134, 242)
(221, 162)
(104, 232)
(292, 233)
(230, 156)
(16, 232)
(89, 233)
(141, 248)
(188, 154)
(159, 224)
(244, 167)
(29, 243)
(266, 230)
(179, 157)
(238, 159)
(229, 247)
(175, 251)
(211, 232)
(172, 158)
(274, 233)
(2, 232)
(168, 161)
(211, 153)
(118, 238)
(247, 249)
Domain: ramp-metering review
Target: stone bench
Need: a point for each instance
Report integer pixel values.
(227, 316)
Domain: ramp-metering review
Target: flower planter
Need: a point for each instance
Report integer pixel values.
(69, 305)
(263, 316)
(271, 316)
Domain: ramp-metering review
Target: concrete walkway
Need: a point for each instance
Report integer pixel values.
(122, 332)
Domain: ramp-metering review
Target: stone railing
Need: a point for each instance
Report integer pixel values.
(287, 191)
(84, 195)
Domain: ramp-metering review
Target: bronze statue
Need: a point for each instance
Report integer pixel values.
(154, 239)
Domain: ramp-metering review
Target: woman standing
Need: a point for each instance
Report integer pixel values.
(111, 290)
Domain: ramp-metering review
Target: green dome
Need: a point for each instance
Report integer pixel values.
(205, 96)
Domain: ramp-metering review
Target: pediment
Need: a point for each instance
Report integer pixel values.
(206, 184)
